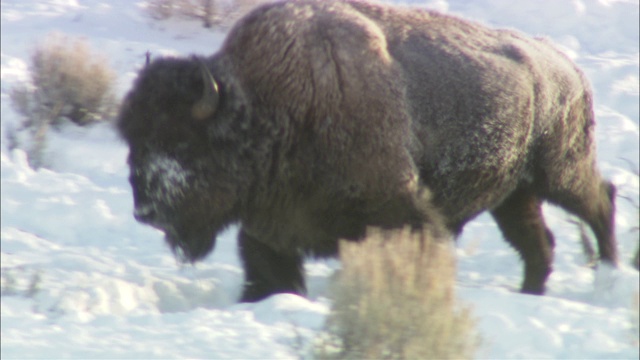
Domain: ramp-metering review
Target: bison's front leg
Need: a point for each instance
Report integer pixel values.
(268, 272)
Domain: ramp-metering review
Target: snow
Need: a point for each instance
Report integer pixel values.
(82, 279)
(173, 178)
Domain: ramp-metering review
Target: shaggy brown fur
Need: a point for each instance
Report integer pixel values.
(335, 116)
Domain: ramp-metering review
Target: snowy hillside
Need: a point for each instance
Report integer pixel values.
(82, 279)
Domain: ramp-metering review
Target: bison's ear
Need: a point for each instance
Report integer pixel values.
(208, 104)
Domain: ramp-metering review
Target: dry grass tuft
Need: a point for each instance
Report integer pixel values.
(212, 13)
(394, 299)
(68, 81)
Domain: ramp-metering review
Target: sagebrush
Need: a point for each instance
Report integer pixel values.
(68, 82)
(212, 13)
(394, 299)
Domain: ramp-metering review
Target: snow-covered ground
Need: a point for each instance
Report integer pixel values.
(82, 279)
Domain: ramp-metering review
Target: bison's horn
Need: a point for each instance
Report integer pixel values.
(208, 104)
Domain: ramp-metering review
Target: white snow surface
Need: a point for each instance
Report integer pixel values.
(82, 279)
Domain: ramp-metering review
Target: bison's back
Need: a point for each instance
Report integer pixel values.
(483, 101)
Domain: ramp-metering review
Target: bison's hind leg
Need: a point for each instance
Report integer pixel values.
(520, 220)
(268, 272)
(591, 199)
(567, 175)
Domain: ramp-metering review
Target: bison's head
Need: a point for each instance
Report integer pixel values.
(186, 169)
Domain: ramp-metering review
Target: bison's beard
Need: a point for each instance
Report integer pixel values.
(190, 245)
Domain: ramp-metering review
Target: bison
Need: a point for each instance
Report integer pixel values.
(318, 119)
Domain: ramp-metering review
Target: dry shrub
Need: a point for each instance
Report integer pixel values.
(164, 9)
(219, 13)
(68, 81)
(394, 299)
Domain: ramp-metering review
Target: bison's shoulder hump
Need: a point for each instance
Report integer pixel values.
(301, 51)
